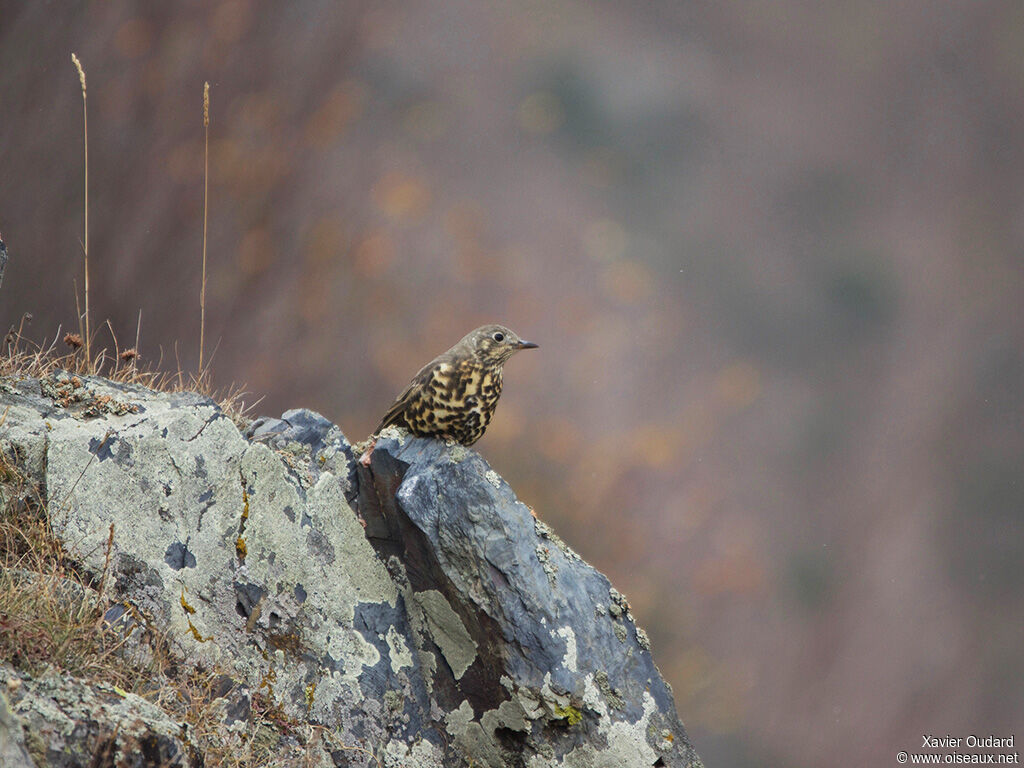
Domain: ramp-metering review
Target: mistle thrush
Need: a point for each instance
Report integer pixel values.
(454, 395)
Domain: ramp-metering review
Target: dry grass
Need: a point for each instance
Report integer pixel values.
(85, 331)
(52, 619)
(80, 353)
(53, 613)
(206, 205)
(23, 358)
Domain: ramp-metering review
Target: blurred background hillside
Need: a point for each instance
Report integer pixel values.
(773, 253)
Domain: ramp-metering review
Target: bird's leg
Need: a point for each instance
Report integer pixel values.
(368, 453)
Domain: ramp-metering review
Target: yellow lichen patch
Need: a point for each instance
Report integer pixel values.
(192, 627)
(195, 632)
(310, 693)
(240, 548)
(569, 713)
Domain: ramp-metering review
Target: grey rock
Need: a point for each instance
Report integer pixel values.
(71, 723)
(13, 753)
(413, 608)
(529, 671)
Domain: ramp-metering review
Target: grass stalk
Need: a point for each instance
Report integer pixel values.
(85, 242)
(206, 197)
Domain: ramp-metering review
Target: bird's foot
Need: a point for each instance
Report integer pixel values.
(368, 453)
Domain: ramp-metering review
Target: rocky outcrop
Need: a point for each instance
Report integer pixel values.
(13, 753)
(67, 722)
(412, 607)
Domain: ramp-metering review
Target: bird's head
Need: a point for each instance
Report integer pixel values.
(495, 344)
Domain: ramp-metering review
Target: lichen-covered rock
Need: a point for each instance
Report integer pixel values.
(413, 608)
(537, 657)
(13, 753)
(68, 723)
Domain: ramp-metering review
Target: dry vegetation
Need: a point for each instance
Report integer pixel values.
(73, 352)
(55, 617)
(24, 358)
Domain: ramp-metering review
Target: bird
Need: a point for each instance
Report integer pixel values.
(454, 395)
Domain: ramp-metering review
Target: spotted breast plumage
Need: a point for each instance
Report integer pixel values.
(454, 395)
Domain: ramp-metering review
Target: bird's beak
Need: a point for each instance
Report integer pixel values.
(526, 345)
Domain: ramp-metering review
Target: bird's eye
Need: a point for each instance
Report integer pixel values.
(499, 336)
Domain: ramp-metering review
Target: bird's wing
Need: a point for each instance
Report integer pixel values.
(419, 381)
